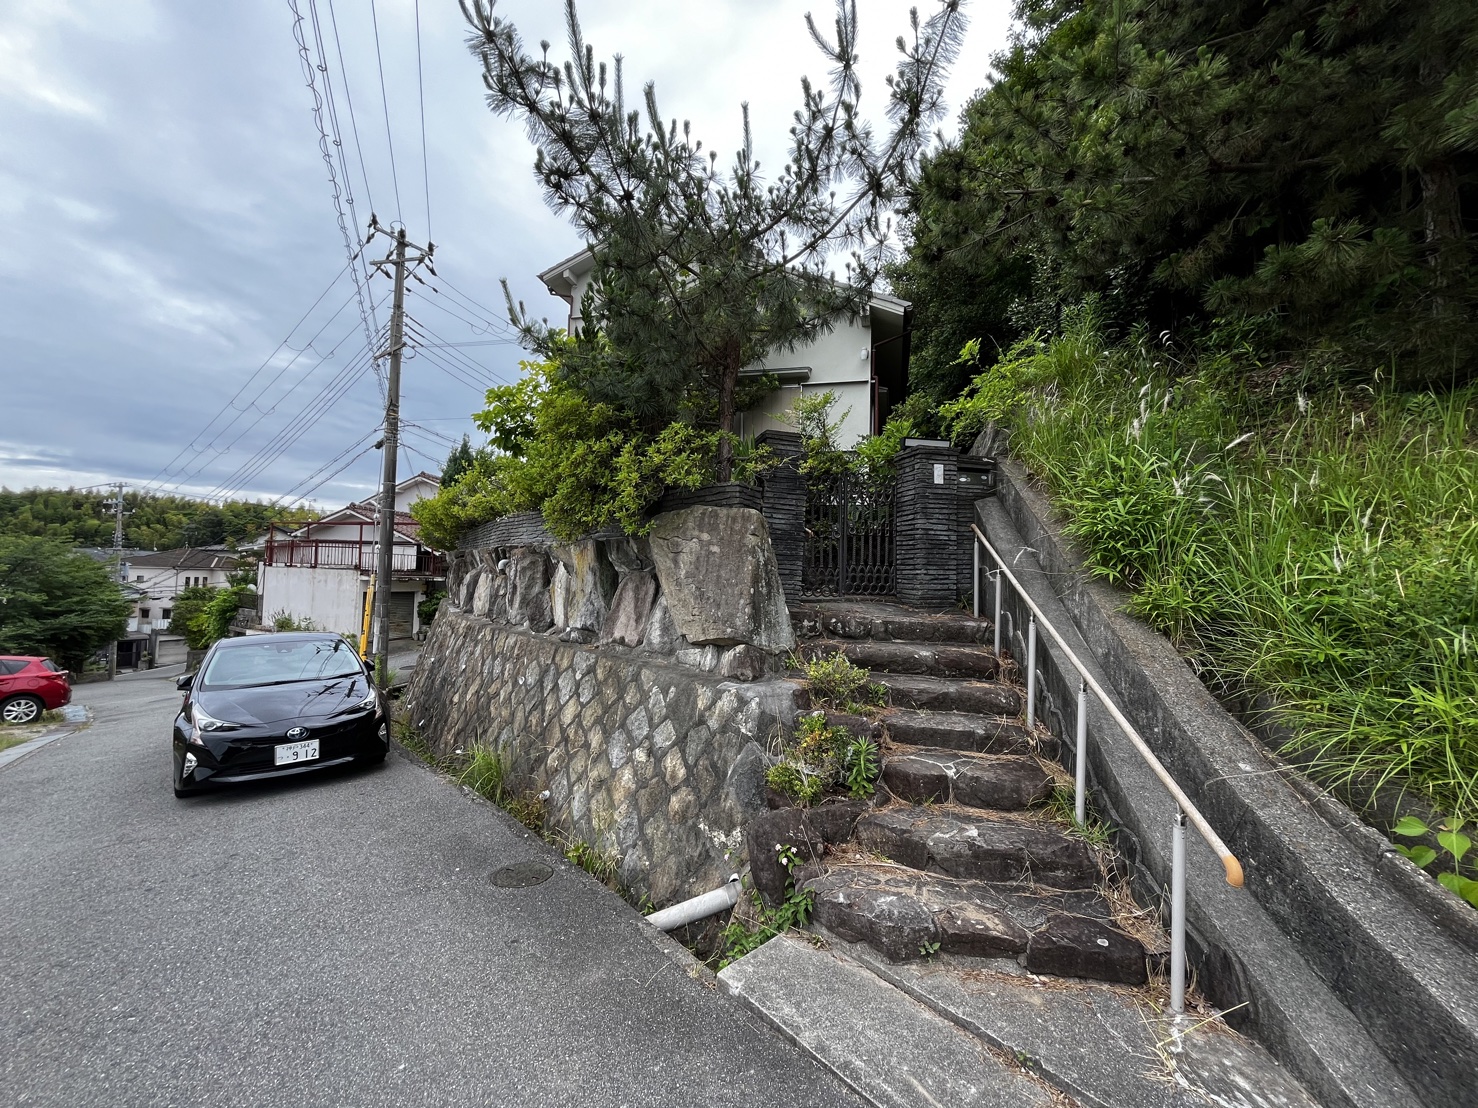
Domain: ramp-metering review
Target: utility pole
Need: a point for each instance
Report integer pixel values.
(117, 505)
(384, 555)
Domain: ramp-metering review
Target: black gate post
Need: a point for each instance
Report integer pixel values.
(784, 495)
(929, 542)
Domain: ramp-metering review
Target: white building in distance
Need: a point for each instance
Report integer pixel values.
(321, 571)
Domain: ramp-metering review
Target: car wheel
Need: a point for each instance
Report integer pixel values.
(21, 709)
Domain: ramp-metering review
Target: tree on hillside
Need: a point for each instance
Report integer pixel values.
(208, 528)
(700, 272)
(458, 462)
(153, 522)
(57, 602)
(1304, 169)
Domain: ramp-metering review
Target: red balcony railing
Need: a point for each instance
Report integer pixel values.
(407, 559)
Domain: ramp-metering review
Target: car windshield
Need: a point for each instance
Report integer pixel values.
(271, 661)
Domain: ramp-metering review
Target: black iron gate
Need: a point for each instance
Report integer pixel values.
(849, 537)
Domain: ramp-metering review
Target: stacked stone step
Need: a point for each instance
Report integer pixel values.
(963, 866)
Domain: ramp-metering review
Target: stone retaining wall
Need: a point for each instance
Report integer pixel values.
(644, 758)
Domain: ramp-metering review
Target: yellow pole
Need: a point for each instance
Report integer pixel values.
(364, 630)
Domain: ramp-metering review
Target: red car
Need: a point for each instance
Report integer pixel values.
(30, 686)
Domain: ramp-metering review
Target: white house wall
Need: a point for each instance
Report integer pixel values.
(841, 362)
(331, 598)
(162, 585)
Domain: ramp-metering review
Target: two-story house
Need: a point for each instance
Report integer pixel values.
(863, 359)
(321, 571)
(161, 575)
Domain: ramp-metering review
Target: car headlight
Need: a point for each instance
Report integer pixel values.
(370, 701)
(206, 722)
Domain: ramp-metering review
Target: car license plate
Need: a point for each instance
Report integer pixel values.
(289, 753)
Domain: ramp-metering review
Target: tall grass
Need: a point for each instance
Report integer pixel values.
(1320, 549)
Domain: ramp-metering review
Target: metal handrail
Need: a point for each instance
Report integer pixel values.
(1185, 809)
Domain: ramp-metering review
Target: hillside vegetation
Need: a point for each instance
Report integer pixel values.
(152, 522)
(1211, 264)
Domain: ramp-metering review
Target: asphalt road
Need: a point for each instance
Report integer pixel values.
(334, 941)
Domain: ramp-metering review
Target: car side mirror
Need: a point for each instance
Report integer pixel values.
(184, 681)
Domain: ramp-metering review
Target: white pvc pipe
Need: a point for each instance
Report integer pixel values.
(699, 907)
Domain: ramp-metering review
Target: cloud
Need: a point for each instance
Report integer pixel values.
(169, 219)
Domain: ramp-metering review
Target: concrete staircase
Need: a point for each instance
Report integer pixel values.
(969, 948)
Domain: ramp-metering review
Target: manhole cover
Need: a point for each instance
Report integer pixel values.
(521, 875)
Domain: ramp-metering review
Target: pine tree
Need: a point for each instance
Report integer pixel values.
(700, 272)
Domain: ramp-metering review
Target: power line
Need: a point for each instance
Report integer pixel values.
(452, 352)
(349, 100)
(230, 405)
(421, 90)
(492, 318)
(455, 360)
(331, 145)
(292, 496)
(319, 406)
(263, 414)
(457, 374)
(478, 326)
(385, 101)
(427, 432)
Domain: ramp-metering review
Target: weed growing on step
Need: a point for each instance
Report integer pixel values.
(753, 925)
(834, 682)
(1455, 846)
(820, 759)
(1062, 807)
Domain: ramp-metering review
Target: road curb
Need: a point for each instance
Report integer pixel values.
(61, 731)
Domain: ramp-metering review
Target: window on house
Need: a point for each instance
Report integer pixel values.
(143, 613)
(166, 613)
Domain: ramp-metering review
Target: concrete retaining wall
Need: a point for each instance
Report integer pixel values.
(1356, 973)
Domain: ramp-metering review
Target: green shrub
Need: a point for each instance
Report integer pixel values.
(743, 935)
(584, 465)
(834, 682)
(820, 758)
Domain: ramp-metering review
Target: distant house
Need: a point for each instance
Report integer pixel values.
(159, 576)
(321, 571)
(863, 359)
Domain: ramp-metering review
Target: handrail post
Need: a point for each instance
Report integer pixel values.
(1031, 672)
(975, 579)
(1080, 767)
(1177, 914)
(998, 576)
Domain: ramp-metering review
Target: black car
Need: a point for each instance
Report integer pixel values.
(273, 705)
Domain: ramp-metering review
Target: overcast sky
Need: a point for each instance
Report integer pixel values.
(168, 218)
